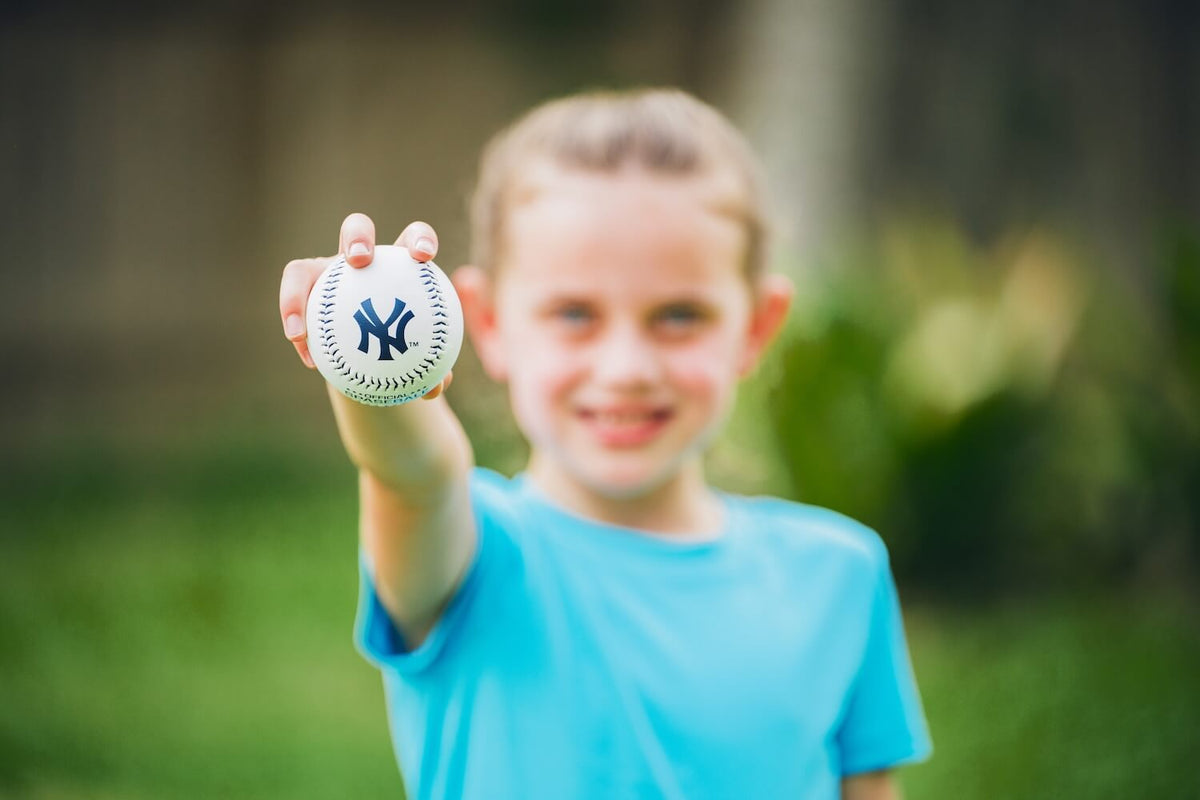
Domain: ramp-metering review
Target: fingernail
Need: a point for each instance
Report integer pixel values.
(358, 249)
(424, 245)
(294, 326)
(308, 362)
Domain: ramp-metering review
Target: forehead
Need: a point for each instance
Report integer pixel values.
(574, 228)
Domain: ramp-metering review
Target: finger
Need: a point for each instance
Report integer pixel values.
(357, 240)
(440, 389)
(420, 239)
(294, 288)
(305, 355)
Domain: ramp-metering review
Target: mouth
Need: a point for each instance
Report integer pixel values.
(625, 426)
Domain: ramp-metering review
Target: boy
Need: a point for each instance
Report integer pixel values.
(605, 624)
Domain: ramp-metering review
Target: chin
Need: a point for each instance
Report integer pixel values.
(625, 482)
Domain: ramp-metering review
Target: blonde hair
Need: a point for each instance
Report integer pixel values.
(664, 131)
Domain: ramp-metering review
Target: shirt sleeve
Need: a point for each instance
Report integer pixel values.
(375, 634)
(884, 725)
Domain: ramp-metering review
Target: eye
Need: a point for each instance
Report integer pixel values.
(573, 316)
(679, 317)
(574, 313)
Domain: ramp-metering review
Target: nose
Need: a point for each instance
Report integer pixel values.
(625, 358)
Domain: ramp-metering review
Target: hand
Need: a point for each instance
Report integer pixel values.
(357, 244)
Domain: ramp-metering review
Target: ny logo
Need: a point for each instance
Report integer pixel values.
(370, 325)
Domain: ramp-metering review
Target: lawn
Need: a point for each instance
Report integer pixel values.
(179, 626)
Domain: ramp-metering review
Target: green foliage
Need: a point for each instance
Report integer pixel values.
(1004, 417)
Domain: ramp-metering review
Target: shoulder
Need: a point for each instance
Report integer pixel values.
(493, 494)
(791, 527)
(495, 504)
(488, 480)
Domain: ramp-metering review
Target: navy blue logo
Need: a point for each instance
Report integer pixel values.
(370, 325)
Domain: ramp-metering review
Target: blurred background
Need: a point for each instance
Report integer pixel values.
(992, 213)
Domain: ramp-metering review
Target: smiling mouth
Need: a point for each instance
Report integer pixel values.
(625, 427)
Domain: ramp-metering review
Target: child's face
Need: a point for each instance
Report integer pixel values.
(622, 322)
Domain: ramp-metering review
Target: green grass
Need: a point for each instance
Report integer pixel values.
(1060, 699)
(180, 627)
(172, 630)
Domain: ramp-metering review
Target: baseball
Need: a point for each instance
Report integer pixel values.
(387, 333)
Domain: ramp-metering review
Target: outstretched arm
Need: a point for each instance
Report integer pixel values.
(416, 526)
(879, 785)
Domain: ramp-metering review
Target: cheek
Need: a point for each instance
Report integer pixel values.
(537, 384)
(704, 374)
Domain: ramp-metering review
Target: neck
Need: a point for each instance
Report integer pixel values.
(682, 506)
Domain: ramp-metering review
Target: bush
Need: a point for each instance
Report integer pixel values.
(1005, 416)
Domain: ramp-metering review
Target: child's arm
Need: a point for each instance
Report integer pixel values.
(416, 525)
(870, 786)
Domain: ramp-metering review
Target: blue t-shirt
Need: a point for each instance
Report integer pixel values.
(581, 660)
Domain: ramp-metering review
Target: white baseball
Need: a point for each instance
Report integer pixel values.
(386, 333)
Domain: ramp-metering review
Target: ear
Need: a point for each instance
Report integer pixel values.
(772, 299)
(475, 293)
